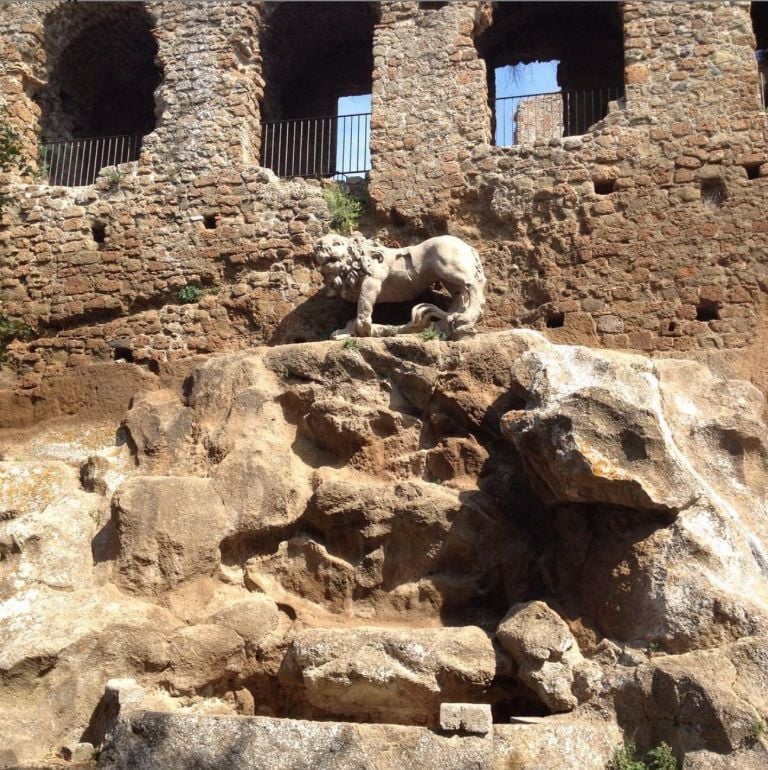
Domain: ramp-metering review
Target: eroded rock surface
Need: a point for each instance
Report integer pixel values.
(317, 531)
(392, 676)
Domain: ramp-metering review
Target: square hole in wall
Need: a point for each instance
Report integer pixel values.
(555, 320)
(99, 232)
(209, 222)
(123, 353)
(707, 310)
(713, 192)
(752, 169)
(604, 186)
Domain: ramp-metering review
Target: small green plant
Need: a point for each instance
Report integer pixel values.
(662, 758)
(756, 732)
(625, 758)
(653, 648)
(42, 170)
(351, 344)
(345, 208)
(192, 292)
(114, 177)
(432, 334)
(10, 154)
(11, 329)
(658, 758)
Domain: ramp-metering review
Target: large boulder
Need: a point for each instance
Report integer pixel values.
(655, 492)
(594, 431)
(548, 657)
(388, 675)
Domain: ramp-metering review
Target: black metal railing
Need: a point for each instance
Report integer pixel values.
(318, 147)
(77, 162)
(528, 119)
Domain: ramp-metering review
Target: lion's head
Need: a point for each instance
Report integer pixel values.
(345, 262)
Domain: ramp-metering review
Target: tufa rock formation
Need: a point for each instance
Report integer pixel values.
(305, 554)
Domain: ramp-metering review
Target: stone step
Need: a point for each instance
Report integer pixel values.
(147, 740)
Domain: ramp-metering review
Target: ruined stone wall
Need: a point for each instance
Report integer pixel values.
(430, 109)
(207, 105)
(539, 119)
(647, 232)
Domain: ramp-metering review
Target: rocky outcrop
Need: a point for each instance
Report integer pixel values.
(369, 532)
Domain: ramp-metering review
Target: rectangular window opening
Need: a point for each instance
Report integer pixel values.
(353, 136)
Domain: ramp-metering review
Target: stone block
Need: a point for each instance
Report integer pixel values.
(469, 718)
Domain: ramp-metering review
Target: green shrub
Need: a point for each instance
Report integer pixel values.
(659, 758)
(10, 153)
(351, 344)
(432, 334)
(625, 758)
(662, 758)
(114, 177)
(191, 293)
(344, 207)
(11, 329)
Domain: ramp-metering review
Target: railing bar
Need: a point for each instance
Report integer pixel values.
(359, 160)
(88, 164)
(367, 139)
(302, 123)
(64, 163)
(85, 174)
(69, 164)
(314, 147)
(73, 164)
(55, 163)
(81, 151)
(322, 146)
(344, 162)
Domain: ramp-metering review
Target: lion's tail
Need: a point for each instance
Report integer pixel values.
(422, 315)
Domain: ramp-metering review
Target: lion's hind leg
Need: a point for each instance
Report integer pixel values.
(465, 311)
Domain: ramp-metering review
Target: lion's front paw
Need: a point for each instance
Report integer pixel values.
(341, 334)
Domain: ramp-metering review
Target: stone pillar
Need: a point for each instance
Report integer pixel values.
(22, 70)
(208, 101)
(539, 119)
(430, 108)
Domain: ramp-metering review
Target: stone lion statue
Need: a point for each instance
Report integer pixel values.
(366, 272)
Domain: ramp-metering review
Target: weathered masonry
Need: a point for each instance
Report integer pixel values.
(636, 224)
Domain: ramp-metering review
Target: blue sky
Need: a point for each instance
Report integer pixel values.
(539, 77)
(352, 133)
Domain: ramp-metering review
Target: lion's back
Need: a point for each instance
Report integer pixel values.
(450, 250)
